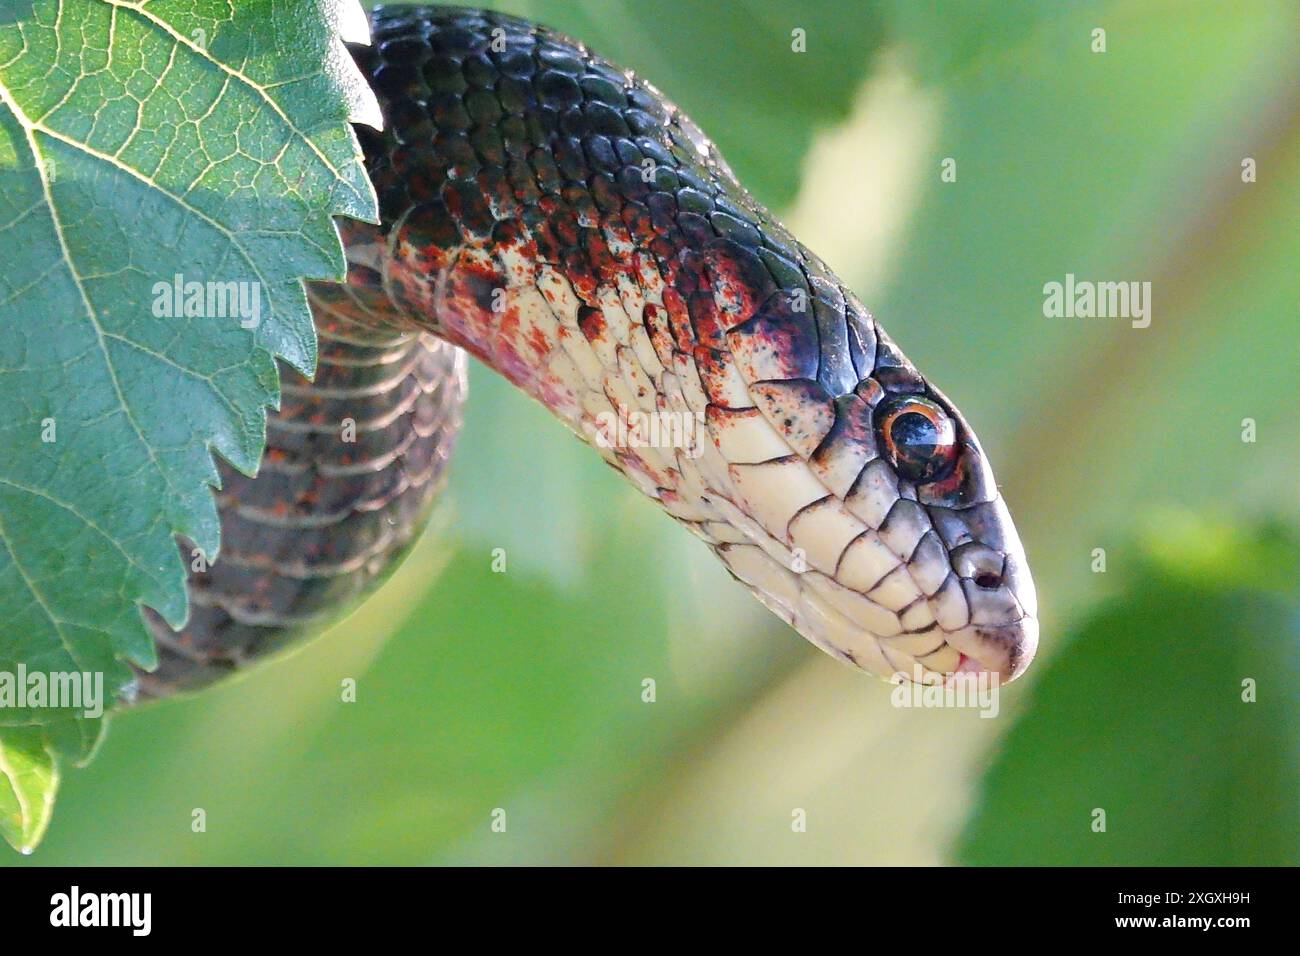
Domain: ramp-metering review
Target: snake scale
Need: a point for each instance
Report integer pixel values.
(559, 219)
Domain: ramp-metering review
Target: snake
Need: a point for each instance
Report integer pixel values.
(558, 219)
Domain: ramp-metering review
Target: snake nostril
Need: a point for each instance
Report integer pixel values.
(980, 564)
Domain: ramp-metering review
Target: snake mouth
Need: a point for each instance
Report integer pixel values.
(1004, 650)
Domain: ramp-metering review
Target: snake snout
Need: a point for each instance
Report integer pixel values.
(1001, 634)
(1004, 649)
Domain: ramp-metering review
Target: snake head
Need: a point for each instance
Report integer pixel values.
(971, 555)
(873, 523)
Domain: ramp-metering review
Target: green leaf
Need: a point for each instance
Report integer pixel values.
(29, 777)
(1148, 716)
(141, 147)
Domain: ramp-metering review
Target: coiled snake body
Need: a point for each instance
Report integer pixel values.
(559, 219)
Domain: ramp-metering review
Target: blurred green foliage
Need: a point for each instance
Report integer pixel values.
(1169, 719)
(522, 690)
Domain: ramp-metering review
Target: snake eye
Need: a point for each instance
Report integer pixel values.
(918, 436)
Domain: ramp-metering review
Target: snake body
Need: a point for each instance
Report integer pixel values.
(353, 464)
(559, 219)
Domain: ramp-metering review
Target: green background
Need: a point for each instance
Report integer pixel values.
(523, 690)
